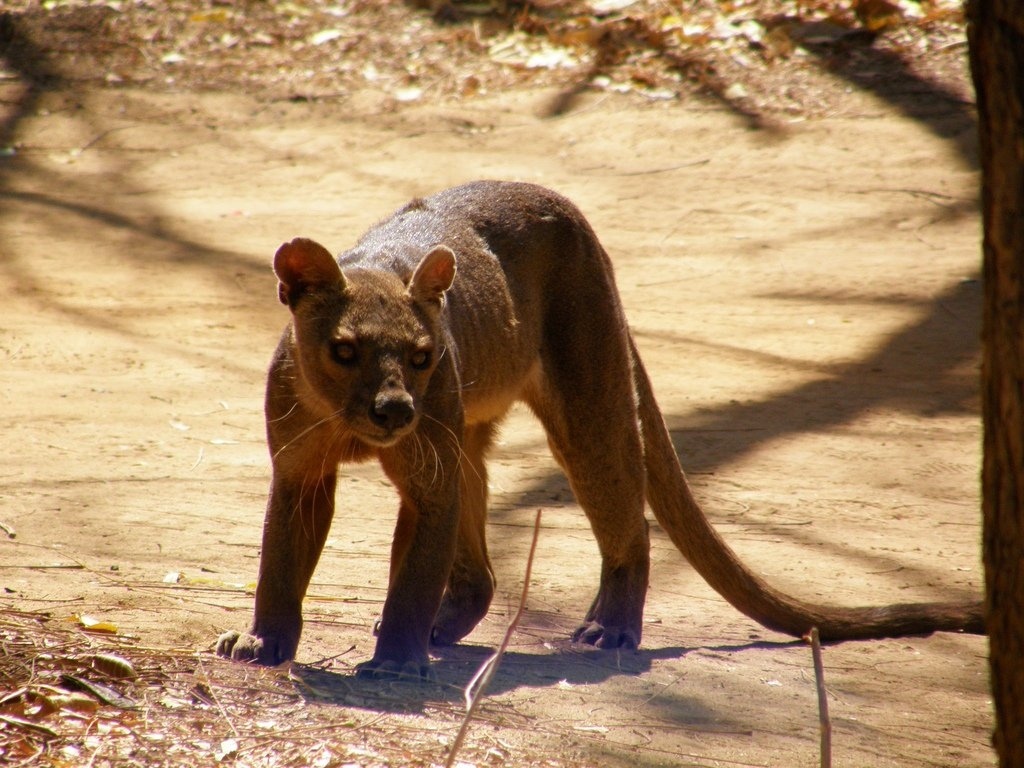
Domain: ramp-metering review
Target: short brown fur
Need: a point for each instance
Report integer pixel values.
(392, 355)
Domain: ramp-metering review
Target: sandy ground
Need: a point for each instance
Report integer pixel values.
(806, 300)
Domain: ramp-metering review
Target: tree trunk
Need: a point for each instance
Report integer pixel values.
(996, 36)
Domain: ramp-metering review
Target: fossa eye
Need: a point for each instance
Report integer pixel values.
(344, 352)
(420, 359)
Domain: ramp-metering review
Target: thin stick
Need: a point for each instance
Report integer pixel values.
(223, 712)
(476, 687)
(825, 724)
(64, 567)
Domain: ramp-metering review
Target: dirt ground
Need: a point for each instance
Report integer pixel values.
(806, 297)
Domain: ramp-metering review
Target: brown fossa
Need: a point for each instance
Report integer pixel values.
(409, 348)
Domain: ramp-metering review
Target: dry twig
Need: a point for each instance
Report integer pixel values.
(825, 724)
(476, 687)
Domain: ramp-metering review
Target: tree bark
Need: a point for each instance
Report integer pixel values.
(996, 37)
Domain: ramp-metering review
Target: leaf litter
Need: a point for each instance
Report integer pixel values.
(772, 56)
(69, 697)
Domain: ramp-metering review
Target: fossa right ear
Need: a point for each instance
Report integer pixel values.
(302, 265)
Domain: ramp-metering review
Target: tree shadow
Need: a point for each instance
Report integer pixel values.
(853, 54)
(889, 76)
(32, 75)
(59, 200)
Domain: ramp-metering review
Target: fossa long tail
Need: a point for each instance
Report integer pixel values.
(678, 512)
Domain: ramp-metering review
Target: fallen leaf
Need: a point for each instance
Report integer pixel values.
(325, 36)
(113, 666)
(735, 91)
(218, 15)
(228, 747)
(551, 58)
(103, 693)
(601, 7)
(173, 702)
(28, 725)
(91, 624)
(75, 702)
(877, 15)
(411, 93)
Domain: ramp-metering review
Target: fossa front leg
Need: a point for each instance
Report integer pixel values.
(422, 552)
(294, 531)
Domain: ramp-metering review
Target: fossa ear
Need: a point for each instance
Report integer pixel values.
(433, 275)
(303, 265)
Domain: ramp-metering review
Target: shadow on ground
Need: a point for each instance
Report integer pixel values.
(456, 666)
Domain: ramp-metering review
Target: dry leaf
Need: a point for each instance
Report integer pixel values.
(228, 747)
(591, 728)
(601, 7)
(325, 36)
(103, 693)
(28, 725)
(217, 16)
(113, 666)
(877, 15)
(91, 624)
(410, 93)
(75, 702)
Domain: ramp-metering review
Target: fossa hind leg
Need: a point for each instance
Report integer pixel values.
(602, 455)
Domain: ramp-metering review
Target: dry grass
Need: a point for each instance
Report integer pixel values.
(66, 700)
